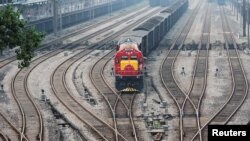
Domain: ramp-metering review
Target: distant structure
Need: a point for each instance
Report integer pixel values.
(11, 1)
(153, 3)
(53, 15)
(221, 2)
(34, 10)
(5, 1)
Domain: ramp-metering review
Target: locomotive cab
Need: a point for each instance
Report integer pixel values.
(128, 62)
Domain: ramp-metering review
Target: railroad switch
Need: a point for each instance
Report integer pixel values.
(156, 101)
(145, 71)
(37, 137)
(112, 71)
(217, 70)
(183, 71)
(42, 90)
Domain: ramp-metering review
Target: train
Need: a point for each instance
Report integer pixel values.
(79, 16)
(135, 45)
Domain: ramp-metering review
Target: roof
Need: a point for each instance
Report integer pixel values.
(137, 33)
(136, 36)
(147, 26)
(150, 24)
(132, 37)
(156, 19)
(164, 15)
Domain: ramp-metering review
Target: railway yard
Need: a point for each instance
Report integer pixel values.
(195, 74)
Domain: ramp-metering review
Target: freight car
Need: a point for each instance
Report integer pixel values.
(134, 45)
(76, 17)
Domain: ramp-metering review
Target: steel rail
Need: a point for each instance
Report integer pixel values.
(11, 59)
(118, 96)
(6, 61)
(21, 135)
(78, 56)
(24, 78)
(4, 137)
(93, 26)
(238, 93)
(168, 80)
(199, 79)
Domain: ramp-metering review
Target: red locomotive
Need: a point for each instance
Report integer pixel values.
(129, 64)
(134, 44)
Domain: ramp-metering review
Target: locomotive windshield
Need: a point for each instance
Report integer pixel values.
(133, 58)
(127, 41)
(124, 57)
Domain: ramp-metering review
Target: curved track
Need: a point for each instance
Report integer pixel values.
(170, 83)
(31, 122)
(240, 83)
(6, 61)
(64, 95)
(121, 110)
(92, 26)
(199, 81)
(3, 137)
(9, 130)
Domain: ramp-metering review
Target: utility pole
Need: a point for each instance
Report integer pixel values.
(248, 23)
(110, 7)
(244, 17)
(233, 7)
(60, 16)
(93, 9)
(55, 16)
(237, 9)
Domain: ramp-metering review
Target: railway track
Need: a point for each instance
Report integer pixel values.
(199, 80)
(183, 102)
(117, 102)
(240, 83)
(31, 122)
(6, 61)
(8, 129)
(64, 95)
(3, 137)
(123, 127)
(92, 26)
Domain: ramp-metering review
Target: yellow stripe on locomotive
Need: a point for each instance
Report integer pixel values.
(125, 63)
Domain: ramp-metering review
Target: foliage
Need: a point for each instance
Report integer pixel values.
(10, 28)
(14, 32)
(31, 40)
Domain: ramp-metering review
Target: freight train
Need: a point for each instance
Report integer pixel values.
(134, 45)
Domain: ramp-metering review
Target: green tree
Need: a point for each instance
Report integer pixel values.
(14, 32)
